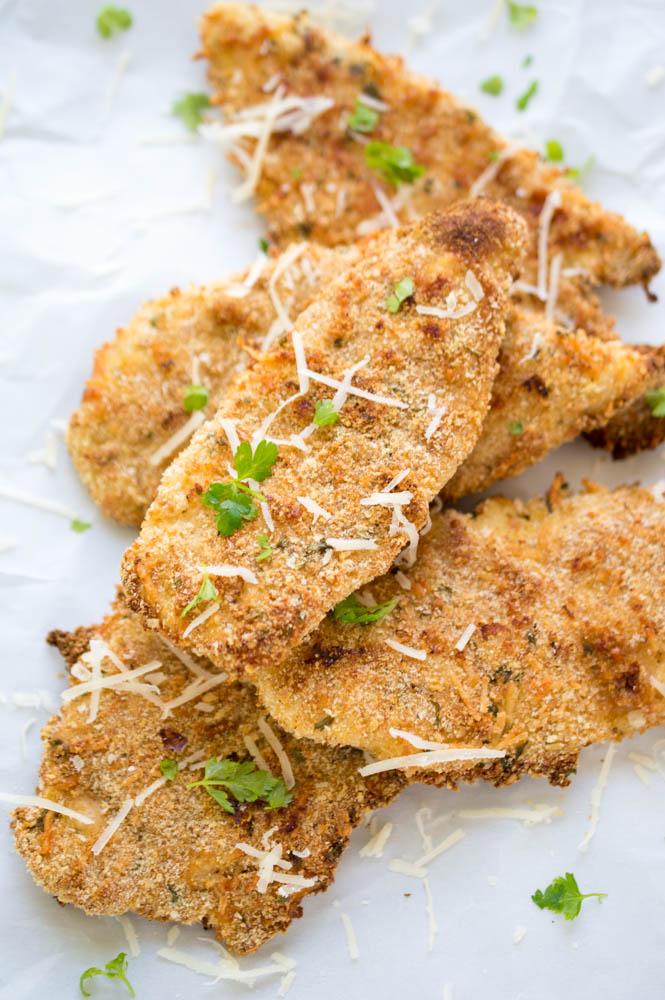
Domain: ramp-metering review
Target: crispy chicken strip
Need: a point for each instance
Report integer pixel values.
(633, 429)
(132, 417)
(175, 856)
(424, 384)
(314, 181)
(538, 629)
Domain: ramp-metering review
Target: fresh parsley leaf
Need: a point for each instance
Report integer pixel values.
(526, 62)
(352, 612)
(516, 427)
(492, 85)
(363, 119)
(115, 969)
(563, 896)
(325, 413)
(189, 108)
(577, 173)
(233, 503)
(244, 781)
(80, 526)
(255, 465)
(403, 290)
(494, 155)
(265, 548)
(393, 163)
(169, 768)
(553, 151)
(522, 16)
(522, 101)
(196, 397)
(111, 19)
(656, 400)
(297, 173)
(208, 592)
(263, 244)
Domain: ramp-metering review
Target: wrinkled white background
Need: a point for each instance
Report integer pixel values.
(70, 275)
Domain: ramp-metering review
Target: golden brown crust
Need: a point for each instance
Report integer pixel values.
(632, 430)
(566, 596)
(245, 46)
(174, 857)
(133, 402)
(410, 357)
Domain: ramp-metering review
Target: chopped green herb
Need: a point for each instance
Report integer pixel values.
(363, 118)
(526, 62)
(327, 720)
(189, 108)
(403, 290)
(111, 19)
(577, 173)
(325, 413)
(516, 427)
(297, 173)
(169, 768)
(80, 526)
(263, 244)
(522, 15)
(563, 896)
(492, 85)
(494, 155)
(656, 400)
(196, 397)
(553, 151)
(352, 612)
(208, 592)
(244, 782)
(265, 548)
(255, 464)
(393, 163)
(522, 101)
(115, 969)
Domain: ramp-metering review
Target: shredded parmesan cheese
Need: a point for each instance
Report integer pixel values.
(211, 610)
(429, 910)
(550, 205)
(447, 313)
(596, 796)
(284, 762)
(460, 645)
(253, 275)
(9, 493)
(445, 845)
(437, 412)
(375, 845)
(415, 654)
(256, 754)
(231, 571)
(130, 935)
(40, 803)
(490, 172)
(112, 827)
(417, 741)
(180, 436)
(474, 285)
(350, 544)
(403, 867)
(314, 508)
(539, 814)
(387, 499)
(198, 687)
(429, 757)
(553, 290)
(351, 942)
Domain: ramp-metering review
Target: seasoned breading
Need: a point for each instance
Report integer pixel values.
(174, 856)
(553, 384)
(566, 598)
(633, 429)
(316, 182)
(133, 403)
(420, 369)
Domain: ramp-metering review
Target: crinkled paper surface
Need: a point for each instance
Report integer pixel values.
(98, 215)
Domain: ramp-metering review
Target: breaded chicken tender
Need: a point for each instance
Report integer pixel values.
(633, 429)
(175, 855)
(132, 420)
(423, 364)
(530, 628)
(314, 179)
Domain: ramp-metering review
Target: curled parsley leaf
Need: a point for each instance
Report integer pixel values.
(169, 768)
(111, 19)
(233, 500)
(257, 464)
(325, 413)
(115, 969)
(363, 119)
(189, 108)
(403, 290)
(352, 612)
(522, 16)
(554, 151)
(208, 592)
(265, 548)
(244, 781)
(516, 427)
(563, 896)
(656, 400)
(196, 397)
(394, 163)
(493, 85)
(79, 526)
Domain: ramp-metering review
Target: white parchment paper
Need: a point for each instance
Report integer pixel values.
(104, 202)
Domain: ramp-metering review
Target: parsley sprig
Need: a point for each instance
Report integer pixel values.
(265, 548)
(394, 163)
(79, 526)
(169, 768)
(234, 500)
(522, 16)
(403, 290)
(656, 400)
(208, 592)
(493, 85)
(563, 896)
(115, 969)
(111, 19)
(189, 108)
(554, 151)
(325, 413)
(196, 397)
(244, 781)
(363, 119)
(352, 612)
